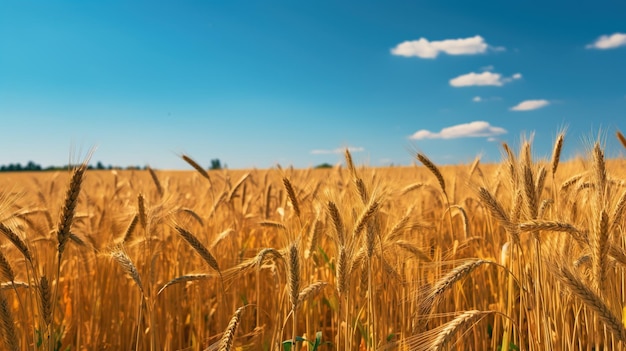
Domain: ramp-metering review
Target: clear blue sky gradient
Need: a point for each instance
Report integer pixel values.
(255, 83)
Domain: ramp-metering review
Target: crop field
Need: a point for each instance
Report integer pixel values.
(526, 254)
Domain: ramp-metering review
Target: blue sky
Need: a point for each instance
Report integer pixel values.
(255, 83)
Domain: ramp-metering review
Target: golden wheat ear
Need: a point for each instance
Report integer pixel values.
(193, 241)
(556, 152)
(197, 167)
(7, 325)
(16, 241)
(621, 138)
(433, 169)
(226, 342)
(71, 200)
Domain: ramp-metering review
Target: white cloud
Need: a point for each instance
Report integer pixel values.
(486, 98)
(530, 105)
(482, 79)
(423, 48)
(608, 41)
(466, 130)
(339, 150)
(487, 68)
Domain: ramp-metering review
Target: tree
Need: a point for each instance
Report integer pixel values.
(216, 164)
(324, 165)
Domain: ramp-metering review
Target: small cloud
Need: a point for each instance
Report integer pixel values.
(339, 150)
(423, 48)
(492, 139)
(529, 105)
(485, 99)
(482, 79)
(605, 42)
(487, 68)
(474, 129)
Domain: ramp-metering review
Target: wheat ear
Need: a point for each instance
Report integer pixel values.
(6, 269)
(556, 153)
(450, 329)
(141, 208)
(17, 241)
(8, 326)
(233, 190)
(445, 282)
(593, 301)
(365, 217)
(69, 207)
(311, 291)
(333, 211)
(155, 180)
(621, 138)
(199, 248)
(120, 256)
(434, 170)
(226, 343)
(294, 275)
(131, 227)
(197, 167)
(45, 295)
(292, 196)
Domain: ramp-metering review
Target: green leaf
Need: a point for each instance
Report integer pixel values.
(287, 345)
(326, 259)
(318, 340)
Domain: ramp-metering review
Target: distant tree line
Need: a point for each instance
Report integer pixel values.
(32, 166)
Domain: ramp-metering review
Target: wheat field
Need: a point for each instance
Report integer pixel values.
(526, 254)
